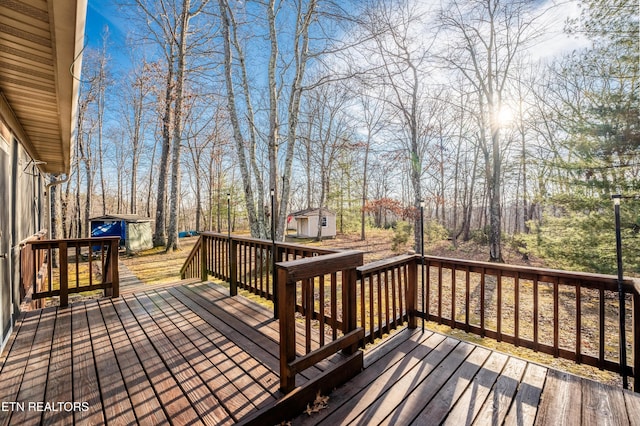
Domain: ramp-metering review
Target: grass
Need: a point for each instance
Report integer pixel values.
(156, 266)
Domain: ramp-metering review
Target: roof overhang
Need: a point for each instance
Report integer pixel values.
(41, 46)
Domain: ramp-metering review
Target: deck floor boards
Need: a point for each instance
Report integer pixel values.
(425, 378)
(190, 354)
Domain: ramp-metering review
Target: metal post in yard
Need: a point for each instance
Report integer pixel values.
(623, 339)
(273, 253)
(422, 275)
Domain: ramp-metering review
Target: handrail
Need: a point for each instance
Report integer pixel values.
(95, 267)
(546, 310)
(244, 262)
(189, 269)
(562, 313)
(303, 280)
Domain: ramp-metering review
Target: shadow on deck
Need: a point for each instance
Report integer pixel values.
(426, 378)
(187, 354)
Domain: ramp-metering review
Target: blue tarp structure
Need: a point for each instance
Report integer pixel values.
(134, 231)
(109, 229)
(185, 234)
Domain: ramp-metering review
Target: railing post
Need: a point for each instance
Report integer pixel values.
(349, 309)
(64, 275)
(115, 272)
(412, 293)
(204, 276)
(233, 267)
(274, 279)
(286, 313)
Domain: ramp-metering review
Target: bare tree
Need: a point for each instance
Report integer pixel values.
(485, 38)
(329, 134)
(138, 92)
(401, 58)
(169, 28)
(285, 24)
(372, 115)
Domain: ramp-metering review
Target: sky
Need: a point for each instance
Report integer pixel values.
(101, 13)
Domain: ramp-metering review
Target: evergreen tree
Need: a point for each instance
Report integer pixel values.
(596, 105)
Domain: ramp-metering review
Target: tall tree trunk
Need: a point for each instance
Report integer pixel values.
(301, 52)
(160, 238)
(173, 242)
(135, 143)
(273, 135)
(256, 220)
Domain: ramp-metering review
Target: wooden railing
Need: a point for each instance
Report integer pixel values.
(87, 264)
(569, 315)
(31, 265)
(246, 263)
(566, 314)
(387, 295)
(325, 290)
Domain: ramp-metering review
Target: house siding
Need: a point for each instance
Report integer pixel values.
(22, 214)
(6, 316)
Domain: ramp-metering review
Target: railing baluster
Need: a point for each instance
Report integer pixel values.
(372, 334)
(453, 296)
(394, 313)
(536, 319)
(386, 302)
(49, 269)
(64, 275)
(334, 306)
(482, 302)
(321, 309)
(499, 308)
(426, 275)
(36, 271)
(578, 324)
(90, 260)
(363, 280)
(78, 254)
(440, 266)
(601, 328)
(115, 272)
(379, 306)
(516, 319)
(556, 320)
(411, 274)
(467, 278)
(203, 261)
(308, 292)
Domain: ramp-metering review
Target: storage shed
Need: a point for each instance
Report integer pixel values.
(134, 231)
(308, 220)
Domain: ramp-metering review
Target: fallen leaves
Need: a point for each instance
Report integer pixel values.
(320, 403)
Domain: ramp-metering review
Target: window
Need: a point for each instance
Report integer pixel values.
(323, 221)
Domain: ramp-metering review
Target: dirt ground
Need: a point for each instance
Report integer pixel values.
(378, 242)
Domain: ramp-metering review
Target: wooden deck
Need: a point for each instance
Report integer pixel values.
(428, 378)
(190, 354)
(187, 354)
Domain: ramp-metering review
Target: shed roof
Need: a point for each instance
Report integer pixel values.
(313, 212)
(125, 217)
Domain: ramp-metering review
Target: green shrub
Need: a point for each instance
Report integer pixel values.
(401, 233)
